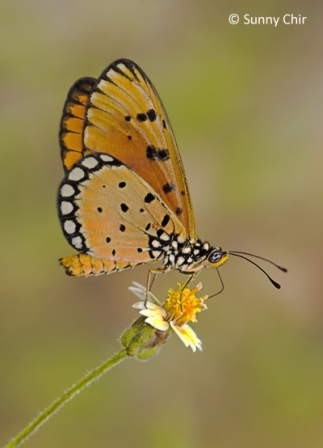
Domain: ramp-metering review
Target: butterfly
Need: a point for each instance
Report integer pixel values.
(125, 199)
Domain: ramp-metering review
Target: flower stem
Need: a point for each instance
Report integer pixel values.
(68, 395)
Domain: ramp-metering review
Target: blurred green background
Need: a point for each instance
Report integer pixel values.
(245, 103)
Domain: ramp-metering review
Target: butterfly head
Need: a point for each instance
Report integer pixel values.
(216, 258)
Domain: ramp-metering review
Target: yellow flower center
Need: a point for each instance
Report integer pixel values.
(182, 305)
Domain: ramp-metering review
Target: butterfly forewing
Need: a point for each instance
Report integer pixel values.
(126, 119)
(72, 122)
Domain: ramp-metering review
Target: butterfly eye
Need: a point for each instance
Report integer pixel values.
(215, 256)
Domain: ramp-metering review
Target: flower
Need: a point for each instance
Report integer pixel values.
(181, 307)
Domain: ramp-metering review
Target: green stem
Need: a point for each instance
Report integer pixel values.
(47, 413)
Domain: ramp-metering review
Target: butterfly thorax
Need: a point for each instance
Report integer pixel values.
(186, 255)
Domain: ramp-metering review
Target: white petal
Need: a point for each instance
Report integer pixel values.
(148, 313)
(138, 290)
(153, 310)
(139, 305)
(157, 322)
(187, 336)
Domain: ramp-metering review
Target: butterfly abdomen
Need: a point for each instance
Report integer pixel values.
(85, 265)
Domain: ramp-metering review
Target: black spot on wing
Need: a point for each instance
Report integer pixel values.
(149, 198)
(141, 117)
(122, 228)
(124, 207)
(157, 154)
(167, 188)
(179, 211)
(151, 114)
(151, 152)
(127, 118)
(165, 220)
(163, 154)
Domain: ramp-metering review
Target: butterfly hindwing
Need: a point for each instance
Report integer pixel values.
(72, 122)
(125, 118)
(109, 213)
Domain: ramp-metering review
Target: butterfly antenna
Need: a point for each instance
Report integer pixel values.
(260, 258)
(241, 255)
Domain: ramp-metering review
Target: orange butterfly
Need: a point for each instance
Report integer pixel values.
(125, 200)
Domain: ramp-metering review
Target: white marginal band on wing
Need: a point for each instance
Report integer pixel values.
(76, 174)
(69, 226)
(90, 163)
(67, 191)
(66, 207)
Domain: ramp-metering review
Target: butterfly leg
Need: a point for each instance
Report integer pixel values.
(222, 285)
(151, 277)
(191, 277)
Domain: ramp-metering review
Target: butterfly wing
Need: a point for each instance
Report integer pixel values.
(111, 214)
(72, 122)
(126, 119)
